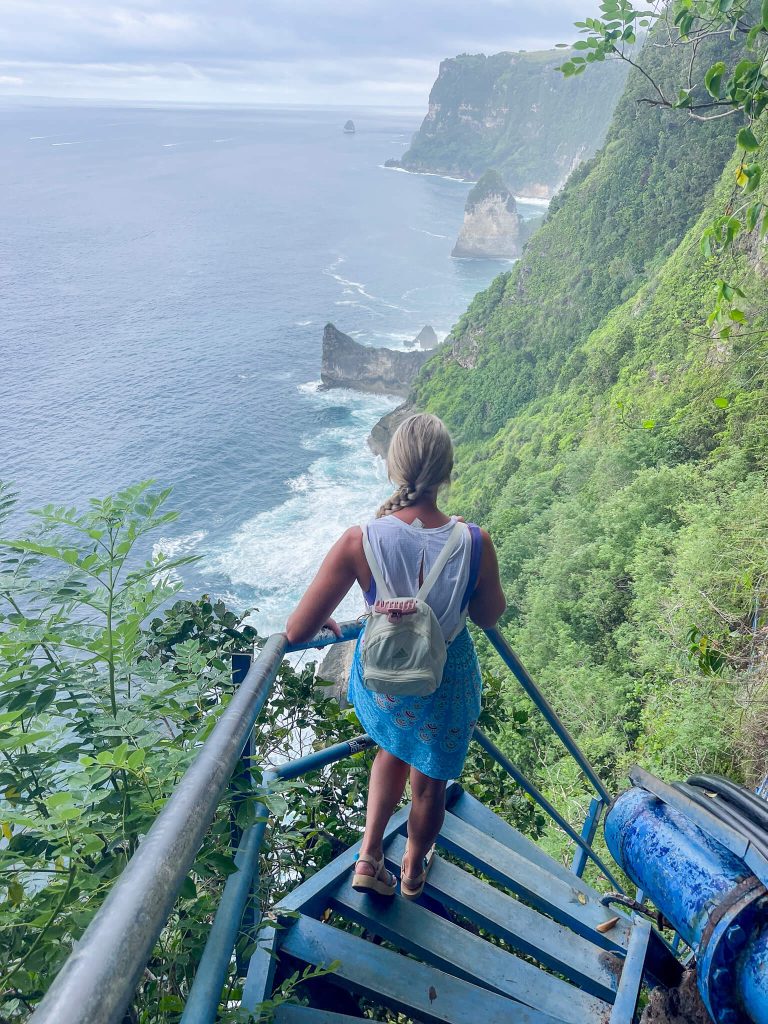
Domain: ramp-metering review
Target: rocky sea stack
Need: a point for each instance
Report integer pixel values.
(426, 339)
(348, 364)
(492, 228)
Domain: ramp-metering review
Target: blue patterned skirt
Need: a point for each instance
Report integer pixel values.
(431, 733)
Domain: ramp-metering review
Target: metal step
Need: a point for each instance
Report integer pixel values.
(440, 969)
(288, 1013)
(554, 946)
(410, 987)
(462, 954)
(566, 901)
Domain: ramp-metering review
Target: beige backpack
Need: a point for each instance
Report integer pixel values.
(403, 650)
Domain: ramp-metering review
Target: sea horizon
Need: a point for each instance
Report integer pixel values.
(167, 276)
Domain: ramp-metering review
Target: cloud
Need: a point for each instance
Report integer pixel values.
(311, 50)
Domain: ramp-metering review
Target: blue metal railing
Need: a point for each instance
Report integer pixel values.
(97, 981)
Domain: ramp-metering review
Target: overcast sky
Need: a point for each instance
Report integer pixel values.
(345, 52)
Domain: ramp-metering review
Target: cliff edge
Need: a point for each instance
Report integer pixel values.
(515, 112)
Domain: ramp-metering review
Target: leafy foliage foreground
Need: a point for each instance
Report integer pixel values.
(107, 692)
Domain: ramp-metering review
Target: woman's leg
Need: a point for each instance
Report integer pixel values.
(425, 820)
(385, 791)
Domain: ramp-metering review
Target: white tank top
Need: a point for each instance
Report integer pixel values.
(402, 549)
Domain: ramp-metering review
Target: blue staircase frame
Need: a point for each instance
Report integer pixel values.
(96, 983)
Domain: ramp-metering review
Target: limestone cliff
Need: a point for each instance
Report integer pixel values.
(347, 364)
(492, 227)
(515, 112)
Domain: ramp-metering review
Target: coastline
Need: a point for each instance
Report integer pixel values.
(530, 200)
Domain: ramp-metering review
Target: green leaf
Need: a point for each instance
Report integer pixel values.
(754, 173)
(713, 79)
(188, 889)
(753, 215)
(24, 739)
(136, 759)
(59, 799)
(746, 139)
(45, 699)
(722, 403)
(649, 424)
(764, 15)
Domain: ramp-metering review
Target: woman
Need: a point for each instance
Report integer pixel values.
(424, 738)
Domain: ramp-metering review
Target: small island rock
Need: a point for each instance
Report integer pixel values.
(492, 227)
(426, 339)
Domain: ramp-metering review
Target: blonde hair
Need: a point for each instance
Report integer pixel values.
(420, 457)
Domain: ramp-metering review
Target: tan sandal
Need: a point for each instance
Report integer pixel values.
(412, 888)
(384, 885)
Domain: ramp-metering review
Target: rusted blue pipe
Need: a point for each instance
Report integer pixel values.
(706, 892)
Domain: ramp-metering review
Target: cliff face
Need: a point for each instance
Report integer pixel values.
(616, 449)
(492, 227)
(347, 364)
(515, 112)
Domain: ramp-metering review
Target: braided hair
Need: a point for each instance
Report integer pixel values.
(420, 457)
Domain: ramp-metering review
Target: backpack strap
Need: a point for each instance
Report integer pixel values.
(382, 591)
(450, 546)
(474, 564)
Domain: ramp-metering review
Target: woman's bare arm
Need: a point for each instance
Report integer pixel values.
(342, 566)
(488, 602)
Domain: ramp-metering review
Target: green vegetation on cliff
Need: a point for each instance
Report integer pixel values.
(491, 184)
(514, 112)
(616, 448)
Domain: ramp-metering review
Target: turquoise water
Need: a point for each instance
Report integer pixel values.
(165, 276)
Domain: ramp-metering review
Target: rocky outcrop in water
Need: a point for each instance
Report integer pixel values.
(381, 435)
(492, 228)
(426, 339)
(348, 364)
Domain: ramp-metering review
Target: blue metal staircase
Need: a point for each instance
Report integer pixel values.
(502, 933)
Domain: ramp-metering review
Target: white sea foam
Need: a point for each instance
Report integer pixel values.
(430, 174)
(277, 552)
(397, 339)
(351, 287)
(533, 200)
(432, 234)
(178, 547)
(66, 143)
(355, 304)
(303, 323)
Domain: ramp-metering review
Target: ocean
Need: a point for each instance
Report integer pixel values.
(165, 277)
